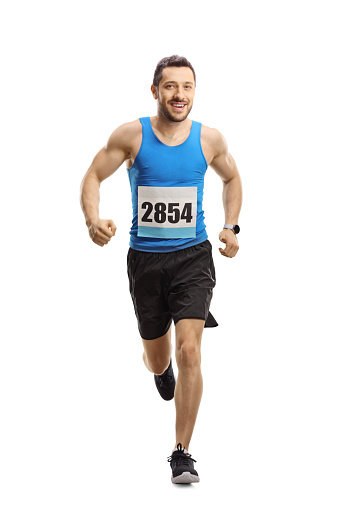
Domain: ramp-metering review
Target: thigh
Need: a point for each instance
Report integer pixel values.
(190, 331)
(191, 289)
(147, 282)
(158, 348)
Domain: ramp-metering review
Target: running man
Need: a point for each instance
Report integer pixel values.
(169, 262)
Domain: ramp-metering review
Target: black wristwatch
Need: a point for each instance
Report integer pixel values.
(234, 227)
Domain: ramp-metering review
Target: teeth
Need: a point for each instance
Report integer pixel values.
(178, 105)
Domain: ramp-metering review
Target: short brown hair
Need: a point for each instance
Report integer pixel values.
(173, 61)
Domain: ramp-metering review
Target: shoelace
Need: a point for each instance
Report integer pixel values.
(181, 457)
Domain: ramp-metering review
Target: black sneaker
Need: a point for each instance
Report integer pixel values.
(183, 471)
(166, 383)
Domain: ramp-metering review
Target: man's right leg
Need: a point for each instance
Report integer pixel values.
(157, 353)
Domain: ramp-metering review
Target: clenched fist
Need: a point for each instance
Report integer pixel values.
(230, 239)
(101, 231)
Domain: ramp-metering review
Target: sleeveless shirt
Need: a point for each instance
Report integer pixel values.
(167, 185)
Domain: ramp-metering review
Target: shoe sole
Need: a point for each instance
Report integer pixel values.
(185, 478)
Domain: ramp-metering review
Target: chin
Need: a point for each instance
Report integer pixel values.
(174, 118)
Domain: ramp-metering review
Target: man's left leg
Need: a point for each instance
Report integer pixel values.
(189, 385)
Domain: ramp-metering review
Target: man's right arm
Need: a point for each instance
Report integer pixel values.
(104, 164)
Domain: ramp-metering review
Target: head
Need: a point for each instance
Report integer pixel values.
(174, 85)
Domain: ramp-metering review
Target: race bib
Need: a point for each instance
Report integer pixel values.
(167, 212)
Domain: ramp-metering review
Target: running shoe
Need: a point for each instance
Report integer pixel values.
(182, 465)
(166, 383)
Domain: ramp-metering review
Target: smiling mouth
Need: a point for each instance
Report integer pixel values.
(178, 106)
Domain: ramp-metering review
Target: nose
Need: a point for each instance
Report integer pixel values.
(179, 94)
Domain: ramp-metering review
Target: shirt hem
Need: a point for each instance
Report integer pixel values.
(167, 249)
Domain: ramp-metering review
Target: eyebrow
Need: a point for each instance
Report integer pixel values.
(171, 81)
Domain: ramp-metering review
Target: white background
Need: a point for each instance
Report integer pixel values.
(82, 425)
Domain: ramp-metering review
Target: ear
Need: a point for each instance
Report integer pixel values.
(154, 92)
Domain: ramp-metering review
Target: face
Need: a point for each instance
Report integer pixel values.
(175, 93)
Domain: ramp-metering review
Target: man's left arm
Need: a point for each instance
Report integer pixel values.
(224, 165)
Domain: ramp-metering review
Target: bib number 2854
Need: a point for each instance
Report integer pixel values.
(170, 212)
(167, 212)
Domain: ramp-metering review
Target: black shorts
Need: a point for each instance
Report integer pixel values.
(175, 285)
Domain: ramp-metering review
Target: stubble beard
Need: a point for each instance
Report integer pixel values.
(171, 117)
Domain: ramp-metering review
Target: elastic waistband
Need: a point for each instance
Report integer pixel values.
(178, 252)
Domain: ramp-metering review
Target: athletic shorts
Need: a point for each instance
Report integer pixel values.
(175, 285)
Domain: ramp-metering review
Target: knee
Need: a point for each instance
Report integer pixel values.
(188, 355)
(158, 364)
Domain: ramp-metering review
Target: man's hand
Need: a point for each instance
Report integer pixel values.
(230, 239)
(101, 231)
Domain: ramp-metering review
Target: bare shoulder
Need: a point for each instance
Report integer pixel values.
(213, 143)
(214, 139)
(125, 136)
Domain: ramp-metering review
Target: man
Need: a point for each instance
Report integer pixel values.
(169, 262)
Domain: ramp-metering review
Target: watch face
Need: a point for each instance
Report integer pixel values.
(236, 228)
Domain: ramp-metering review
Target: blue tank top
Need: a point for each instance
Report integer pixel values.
(167, 185)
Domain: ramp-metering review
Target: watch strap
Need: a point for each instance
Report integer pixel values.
(234, 227)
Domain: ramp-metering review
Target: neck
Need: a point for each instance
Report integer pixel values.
(170, 129)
